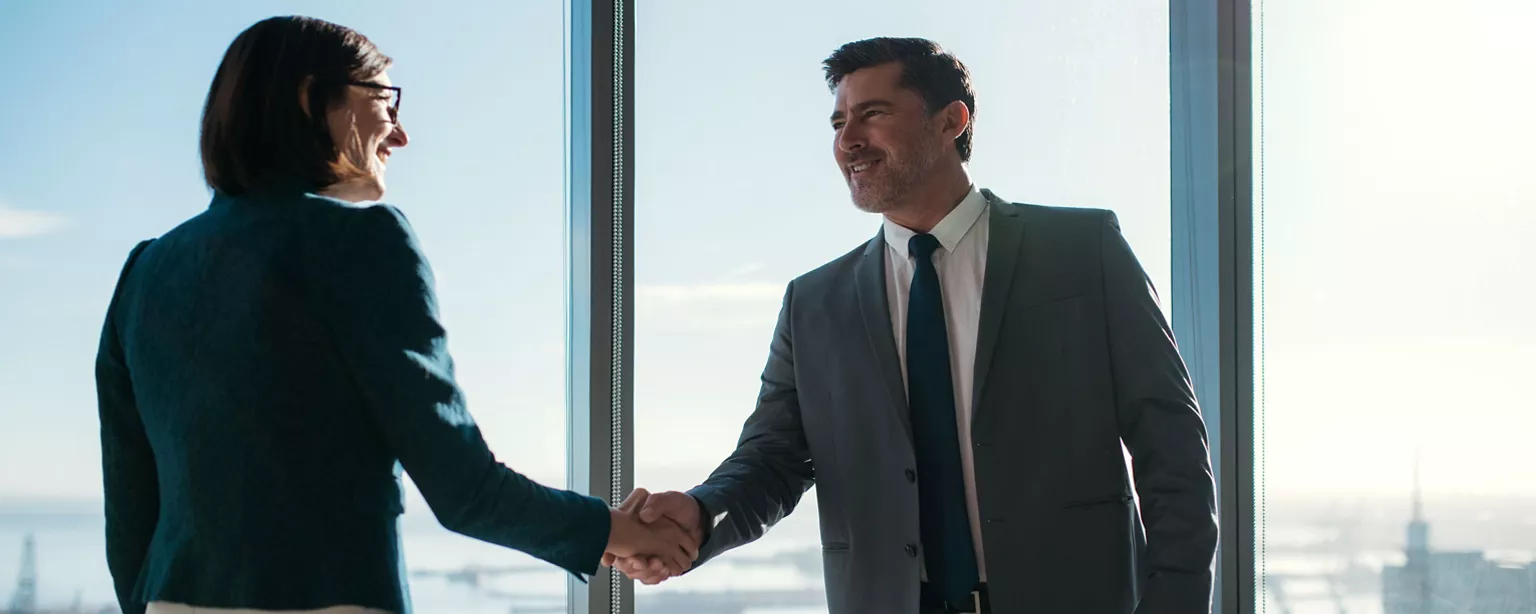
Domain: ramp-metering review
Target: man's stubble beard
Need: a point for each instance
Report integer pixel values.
(899, 178)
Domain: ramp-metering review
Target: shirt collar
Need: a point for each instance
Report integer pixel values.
(949, 230)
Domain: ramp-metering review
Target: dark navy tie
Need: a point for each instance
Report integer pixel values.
(945, 526)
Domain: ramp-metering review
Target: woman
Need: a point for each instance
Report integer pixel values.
(264, 365)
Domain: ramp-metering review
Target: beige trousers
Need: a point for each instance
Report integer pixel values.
(161, 607)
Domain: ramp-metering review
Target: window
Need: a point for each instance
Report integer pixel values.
(737, 193)
(1393, 220)
(100, 151)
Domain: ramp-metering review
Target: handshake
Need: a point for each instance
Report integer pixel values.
(654, 537)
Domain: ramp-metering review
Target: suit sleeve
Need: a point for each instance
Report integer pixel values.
(130, 486)
(383, 313)
(762, 481)
(1161, 425)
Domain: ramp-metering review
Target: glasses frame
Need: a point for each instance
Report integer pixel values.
(394, 110)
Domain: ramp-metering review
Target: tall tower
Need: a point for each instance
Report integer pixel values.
(24, 600)
(1418, 528)
(1418, 550)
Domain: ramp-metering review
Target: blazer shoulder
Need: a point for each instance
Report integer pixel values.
(127, 268)
(359, 229)
(835, 273)
(1067, 217)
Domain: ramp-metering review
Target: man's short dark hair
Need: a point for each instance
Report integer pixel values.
(255, 134)
(926, 68)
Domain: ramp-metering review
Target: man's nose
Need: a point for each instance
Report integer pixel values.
(850, 138)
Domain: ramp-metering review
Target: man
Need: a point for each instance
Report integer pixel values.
(960, 388)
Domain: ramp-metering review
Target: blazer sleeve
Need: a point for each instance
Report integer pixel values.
(383, 312)
(1161, 425)
(762, 481)
(130, 487)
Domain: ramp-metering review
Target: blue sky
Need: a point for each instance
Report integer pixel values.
(734, 165)
(1397, 198)
(104, 145)
(1398, 206)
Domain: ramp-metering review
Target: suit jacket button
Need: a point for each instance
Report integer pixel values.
(911, 475)
(912, 550)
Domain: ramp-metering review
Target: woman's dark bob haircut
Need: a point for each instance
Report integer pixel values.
(256, 134)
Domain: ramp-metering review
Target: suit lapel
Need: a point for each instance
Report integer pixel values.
(869, 276)
(1004, 241)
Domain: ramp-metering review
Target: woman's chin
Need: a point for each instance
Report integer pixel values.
(376, 183)
(371, 184)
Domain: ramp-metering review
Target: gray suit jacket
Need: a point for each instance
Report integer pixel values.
(1074, 357)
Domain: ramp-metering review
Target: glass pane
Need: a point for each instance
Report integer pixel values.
(1393, 222)
(100, 151)
(738, 193)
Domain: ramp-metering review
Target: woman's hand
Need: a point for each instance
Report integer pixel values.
(629, 537)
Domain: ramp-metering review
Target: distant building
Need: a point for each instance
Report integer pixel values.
(1453, 582)
(24, 596)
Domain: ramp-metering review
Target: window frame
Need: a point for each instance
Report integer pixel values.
(1211, 97)
(1211, 208)
(599, 272)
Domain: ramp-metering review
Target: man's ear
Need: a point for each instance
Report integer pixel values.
(304, 94)
(957, 117)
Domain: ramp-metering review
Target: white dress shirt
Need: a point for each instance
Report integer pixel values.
(962, 264)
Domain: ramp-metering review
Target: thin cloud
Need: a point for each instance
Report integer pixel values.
(744, 270)
(709, 307)
(711, 293)
(21, 223)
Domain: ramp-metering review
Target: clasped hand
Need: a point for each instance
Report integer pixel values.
(671, 520)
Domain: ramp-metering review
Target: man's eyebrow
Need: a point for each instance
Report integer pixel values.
(836, 115)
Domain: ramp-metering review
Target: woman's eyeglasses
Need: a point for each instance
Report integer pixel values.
(394, 96)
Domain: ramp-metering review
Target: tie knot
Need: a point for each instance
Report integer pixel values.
(921, 246)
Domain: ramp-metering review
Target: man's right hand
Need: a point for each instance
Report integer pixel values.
(673, 508)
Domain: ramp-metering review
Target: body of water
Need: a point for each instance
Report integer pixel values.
(71, 568)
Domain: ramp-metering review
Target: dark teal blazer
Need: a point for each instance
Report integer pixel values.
(265, 370)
